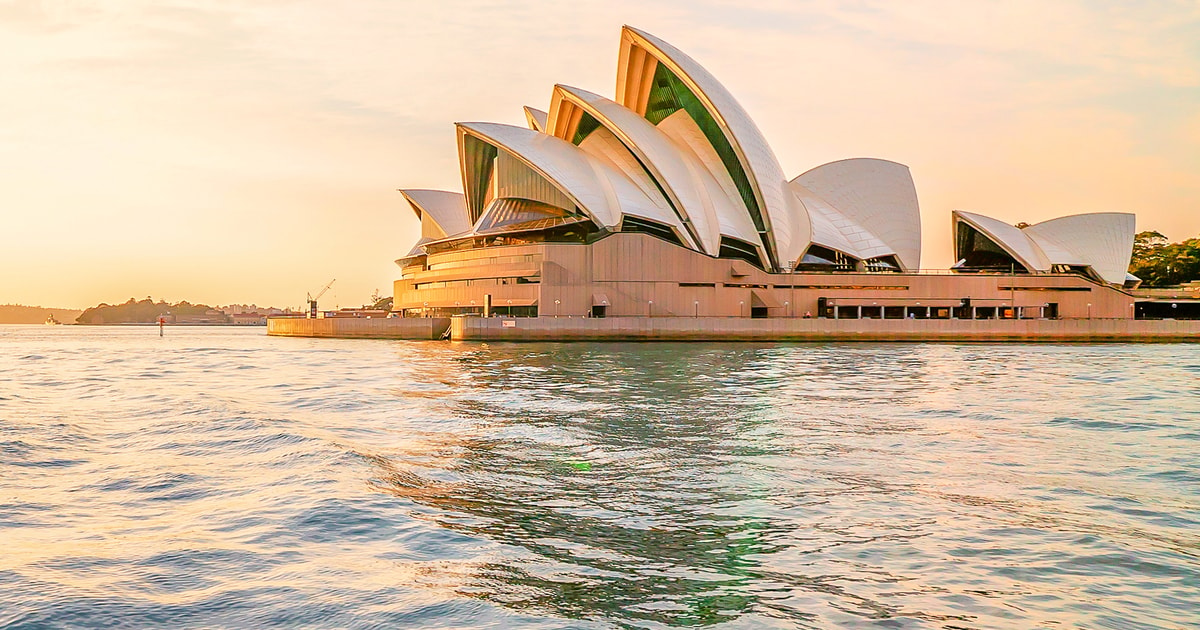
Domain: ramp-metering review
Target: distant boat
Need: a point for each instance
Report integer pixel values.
(51, 321)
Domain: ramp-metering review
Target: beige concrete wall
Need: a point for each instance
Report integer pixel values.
(641, 276)
(727, 329)
(350, 327)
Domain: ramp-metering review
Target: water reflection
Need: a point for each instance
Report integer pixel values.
(629, 490)
(223, 478)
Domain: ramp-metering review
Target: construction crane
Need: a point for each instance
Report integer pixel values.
(312, 299)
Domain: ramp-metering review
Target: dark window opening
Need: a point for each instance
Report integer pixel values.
(977, 252)
(882, 263)
(600, 311)
(846, 312)
(653, 228)
(758, 312)
(739, 249)
(817, 258)
(1180, 309)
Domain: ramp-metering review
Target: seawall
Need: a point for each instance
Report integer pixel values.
(739, 329)
(360, 328)
(735, 329)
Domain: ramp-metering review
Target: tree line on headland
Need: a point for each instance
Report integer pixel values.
(1161, 263)
(21, 314)
(144, 311)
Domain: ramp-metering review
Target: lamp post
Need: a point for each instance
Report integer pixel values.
(556, 303)
(696, 303)
(787, 308)
(741, 308)
(792, 281)
(1089, 310)
(649, 308)
(425, 311)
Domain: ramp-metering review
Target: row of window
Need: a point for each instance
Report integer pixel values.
(476, 282)
(825, 287)
(1045, 288)
(494, 260)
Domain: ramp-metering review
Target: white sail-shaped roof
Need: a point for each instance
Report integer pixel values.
(1101, 240)
(679, 174)
(536, 118)
(1008, 237)
(877, 196)
(833, 228)
(675, 148)
(595, 187)
(784, 228)
(447, 209)
(442, 213)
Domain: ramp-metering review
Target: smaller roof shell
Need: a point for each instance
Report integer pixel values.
(1008, 237)
(1100, 240)
(447, 209)
(536, 119)
(597, 189)
(878, 196)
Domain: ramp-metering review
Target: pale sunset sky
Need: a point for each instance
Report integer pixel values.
(242, 151)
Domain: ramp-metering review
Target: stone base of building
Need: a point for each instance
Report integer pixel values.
(739, 329)
(360, 328)
(746, 329)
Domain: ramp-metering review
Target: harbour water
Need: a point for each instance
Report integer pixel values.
(217, 477)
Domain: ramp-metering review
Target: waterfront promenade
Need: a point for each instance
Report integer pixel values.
(741, 329)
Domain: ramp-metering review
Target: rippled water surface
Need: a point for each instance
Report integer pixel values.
(220, 478)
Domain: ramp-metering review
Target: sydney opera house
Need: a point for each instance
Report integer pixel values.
(667, 201)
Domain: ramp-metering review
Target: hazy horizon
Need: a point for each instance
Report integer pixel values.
(220, 153)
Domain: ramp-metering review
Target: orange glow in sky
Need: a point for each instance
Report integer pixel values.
(222, 151)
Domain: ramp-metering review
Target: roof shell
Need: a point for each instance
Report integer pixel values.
(878, 196)
(833, 229)
(597, 189)
(1101, 240)
(447, 209)
(1008, 237)
(672, 168)
(536, 119)
(786, 233)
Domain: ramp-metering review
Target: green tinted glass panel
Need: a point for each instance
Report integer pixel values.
(587, 124)
(668, 95)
